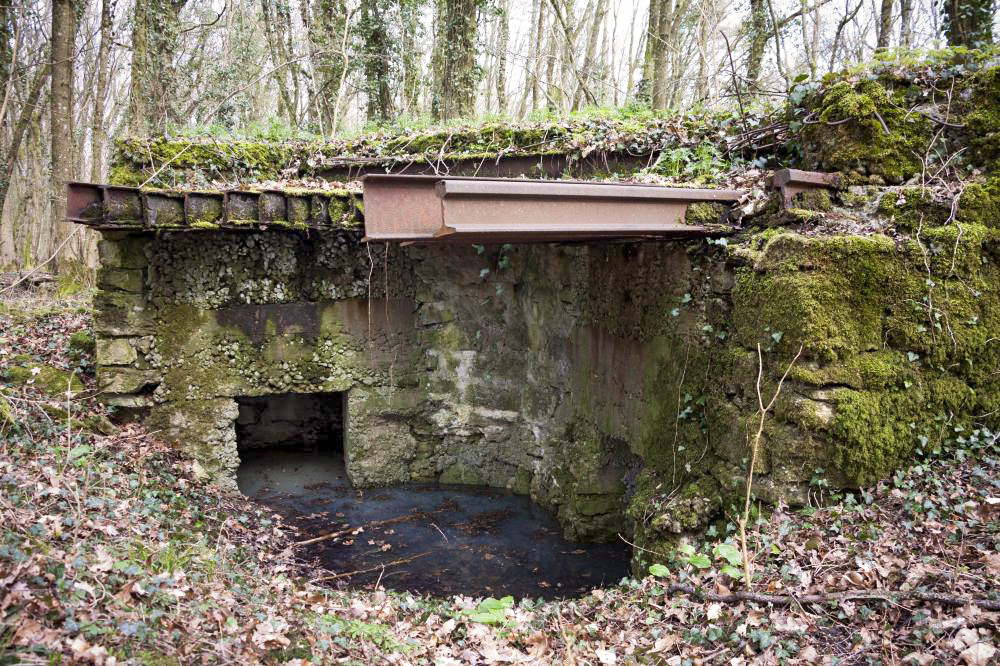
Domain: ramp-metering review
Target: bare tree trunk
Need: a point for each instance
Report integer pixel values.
(589, 62)
(98, 134)
(884, 25)
(376, 53)
(649, 61)
(325, 22)
(410, 56)
(63, 50)
(906, 23)
(7, 32)
(758, 30)
(503, 39)
(661, 80)
(274, 46)
(152, 96)
(22, 125)
(968, 23)
(538, 56)
(552, 89)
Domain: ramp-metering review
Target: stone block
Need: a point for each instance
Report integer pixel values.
(127, 380)
(131, 280)
(121, 314)
(115, 351)
(127, 401)
(126, 253)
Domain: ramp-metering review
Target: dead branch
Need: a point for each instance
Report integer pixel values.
(892, 596)
(349, 530)
(348, 574)
(754, 447)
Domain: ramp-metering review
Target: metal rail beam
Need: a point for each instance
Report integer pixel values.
(110, 207)
(431, 208)
(795, 181)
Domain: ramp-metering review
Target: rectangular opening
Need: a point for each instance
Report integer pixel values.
(293, 422)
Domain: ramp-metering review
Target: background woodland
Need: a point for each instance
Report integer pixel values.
(77, 74)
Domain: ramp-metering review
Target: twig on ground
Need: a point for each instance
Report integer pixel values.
(872, 595)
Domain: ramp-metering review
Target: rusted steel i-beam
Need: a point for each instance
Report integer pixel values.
(110, 206)
(432, 208)
(795, 181)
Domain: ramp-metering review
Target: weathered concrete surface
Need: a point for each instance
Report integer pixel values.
(614, 383)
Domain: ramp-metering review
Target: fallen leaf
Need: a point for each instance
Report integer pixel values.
(607, 657)
(979, 654)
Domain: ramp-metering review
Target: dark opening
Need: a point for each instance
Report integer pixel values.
(423, 537)
(299, 422)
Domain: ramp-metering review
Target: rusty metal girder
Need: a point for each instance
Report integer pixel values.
(110, 206)
(795, 181)
(435, 209)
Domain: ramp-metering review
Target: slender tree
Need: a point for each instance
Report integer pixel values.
(326, 23)
(411, 31)
(152, 92)
(503, 38)
(61, 100)
(98, 131)
(906, 23)
(454, 60)
(376, 58)
(884, 25)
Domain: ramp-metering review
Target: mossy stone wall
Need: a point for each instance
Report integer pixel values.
(614, 383)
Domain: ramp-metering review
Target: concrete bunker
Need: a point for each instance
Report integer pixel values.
(612, 382)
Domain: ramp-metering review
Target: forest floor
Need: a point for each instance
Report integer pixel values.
(112, 552)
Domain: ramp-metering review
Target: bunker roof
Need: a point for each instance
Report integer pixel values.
(433, 208)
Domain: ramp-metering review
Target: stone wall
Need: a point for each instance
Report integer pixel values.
(616, 383)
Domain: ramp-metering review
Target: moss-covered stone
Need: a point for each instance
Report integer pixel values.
(46, 378)
(703, 213)
(863, 128)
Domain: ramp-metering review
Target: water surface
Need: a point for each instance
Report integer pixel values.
(427, 538)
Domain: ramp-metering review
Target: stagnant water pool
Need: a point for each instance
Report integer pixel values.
(427, 538)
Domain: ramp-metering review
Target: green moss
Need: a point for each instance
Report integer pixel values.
(880, 369)
(877, 431)
(864, 128)
(816, 199)
(982, 118)
(6, 412)
(82, 341)
(136, 160)
(48, 379)
(826, 294)
(704, 213)
(911, 209)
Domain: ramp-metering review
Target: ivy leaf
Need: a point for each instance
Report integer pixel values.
(659, 571)
(79, 452)
(700, 560)
(728, 552)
